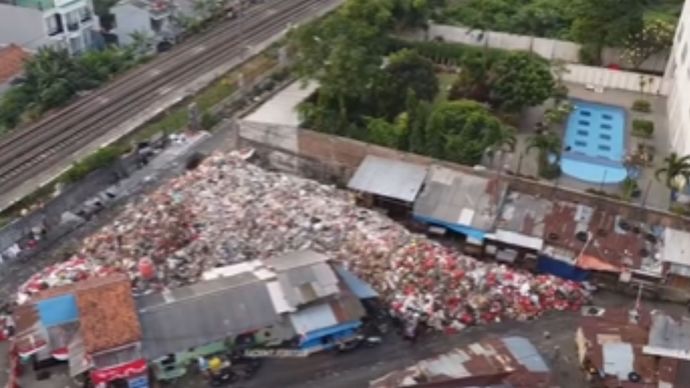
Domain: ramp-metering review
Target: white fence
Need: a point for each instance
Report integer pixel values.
(552, 49)
(615, 79)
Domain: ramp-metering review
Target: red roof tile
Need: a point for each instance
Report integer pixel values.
(107, 314)
(12, 59)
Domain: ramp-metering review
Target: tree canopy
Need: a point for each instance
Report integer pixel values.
(606, 22)
(461, 131)
(519, 80)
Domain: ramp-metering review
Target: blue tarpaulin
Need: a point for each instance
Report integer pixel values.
(546, 264)
(58, 310)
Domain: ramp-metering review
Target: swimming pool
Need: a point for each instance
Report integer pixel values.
(594, 146)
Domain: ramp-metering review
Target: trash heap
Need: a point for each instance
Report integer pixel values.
(228, 210)
(61, 274)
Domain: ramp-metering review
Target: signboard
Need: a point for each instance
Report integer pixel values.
(277, 353)
(139, 382)
(122, 371)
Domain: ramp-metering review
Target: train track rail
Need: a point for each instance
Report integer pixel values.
(58, 135)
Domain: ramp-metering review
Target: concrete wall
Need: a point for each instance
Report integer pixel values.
(616, 79)
(335, 159)
(678, 75)
(22, 26)
(548, 48)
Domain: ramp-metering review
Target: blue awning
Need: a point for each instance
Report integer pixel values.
(457, 228)
(358, 286)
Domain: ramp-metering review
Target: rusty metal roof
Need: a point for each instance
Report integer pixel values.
(509, 360)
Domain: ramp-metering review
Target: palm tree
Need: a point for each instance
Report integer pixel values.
(675, 171)
(546, 142)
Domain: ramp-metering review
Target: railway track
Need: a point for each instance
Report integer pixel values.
(32, 149)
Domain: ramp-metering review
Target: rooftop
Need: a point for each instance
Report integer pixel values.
(455, 198)
(107, 315)
(615, 243)
(669, 337)
(676, 247)
(12, 59)
(204, 312)
(388, 178)
(509, 360)
(522, 220)
(613, 343)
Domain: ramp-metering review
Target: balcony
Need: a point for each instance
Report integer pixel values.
(73, 26)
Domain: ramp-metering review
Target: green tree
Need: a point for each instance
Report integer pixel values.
(600, 23)
(674, 172)
(418, 113)
(656, 36)
(461, 131)
(406, 71)
(387, 134)
(548, 18)
(519, 80)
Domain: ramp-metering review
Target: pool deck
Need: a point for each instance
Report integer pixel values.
(658, 195)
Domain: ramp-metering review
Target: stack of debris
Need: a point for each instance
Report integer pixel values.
(228, 210)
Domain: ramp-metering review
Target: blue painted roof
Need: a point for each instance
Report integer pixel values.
(358, 286)
(58, 310)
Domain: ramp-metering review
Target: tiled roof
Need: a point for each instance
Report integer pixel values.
(108, 315)
(12, 59)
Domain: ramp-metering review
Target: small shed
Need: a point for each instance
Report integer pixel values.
(461, 202)
(388, 183)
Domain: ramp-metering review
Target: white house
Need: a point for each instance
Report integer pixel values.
(35, 23)
(678, 73)
(153, 19)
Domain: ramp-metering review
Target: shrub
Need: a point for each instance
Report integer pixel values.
(642, 128)
(590, 55)
(642, 106)
(209, 120)
(101, 158)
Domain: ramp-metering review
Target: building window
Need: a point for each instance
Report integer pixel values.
(85, 14)
(72, 20)
(684, 53)
(54, 24)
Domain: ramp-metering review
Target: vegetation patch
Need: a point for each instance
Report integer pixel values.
(642, 106)
(643, 128)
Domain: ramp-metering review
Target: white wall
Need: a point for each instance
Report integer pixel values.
(547, 48)
(129, 19)
(678, 75)
(22, 26)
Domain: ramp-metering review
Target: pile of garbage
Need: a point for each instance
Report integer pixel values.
(228, 210)
(61, 274)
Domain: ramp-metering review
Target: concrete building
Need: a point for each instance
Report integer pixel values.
(678, 73)
(152, 19)
(35, 23)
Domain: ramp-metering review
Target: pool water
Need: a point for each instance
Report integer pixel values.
(594, 145)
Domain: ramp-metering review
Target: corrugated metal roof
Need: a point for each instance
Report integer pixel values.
(313, 318)
(204, 312)
(618, 359)
(676, 247)
(295, 259)
(388, 178)
(526, 354)
(308, 283)
(358, 286)
(458, 198)
(667, 333)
